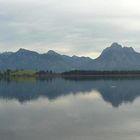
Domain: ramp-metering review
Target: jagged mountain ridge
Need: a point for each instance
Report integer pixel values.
(26, 59)
(114, 57)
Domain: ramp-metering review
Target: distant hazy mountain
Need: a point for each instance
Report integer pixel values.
(114, 57)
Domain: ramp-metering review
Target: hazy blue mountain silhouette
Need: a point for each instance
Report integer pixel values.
(114, 57)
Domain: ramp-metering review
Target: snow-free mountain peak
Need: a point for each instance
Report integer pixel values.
(22, 50)
(117, 50)
(115, 57)
(25, 51)
(51, 52)
(116, 45)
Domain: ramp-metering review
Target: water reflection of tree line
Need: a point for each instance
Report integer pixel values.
(113, 91)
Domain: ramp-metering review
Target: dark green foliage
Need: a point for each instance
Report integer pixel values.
(83, 72)
(44, 73)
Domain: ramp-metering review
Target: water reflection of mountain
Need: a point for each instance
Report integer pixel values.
(114, 91)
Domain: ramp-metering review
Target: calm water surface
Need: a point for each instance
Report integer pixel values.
(70, 109)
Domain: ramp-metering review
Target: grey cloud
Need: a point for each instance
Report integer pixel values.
(80, 26)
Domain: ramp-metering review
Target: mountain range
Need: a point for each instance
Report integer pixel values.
(114, 57)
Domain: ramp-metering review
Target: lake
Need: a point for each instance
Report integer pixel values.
(70, 109)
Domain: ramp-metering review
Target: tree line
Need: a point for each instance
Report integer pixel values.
(95, 72)
(22, 72)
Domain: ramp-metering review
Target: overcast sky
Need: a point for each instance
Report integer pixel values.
(80, 27)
